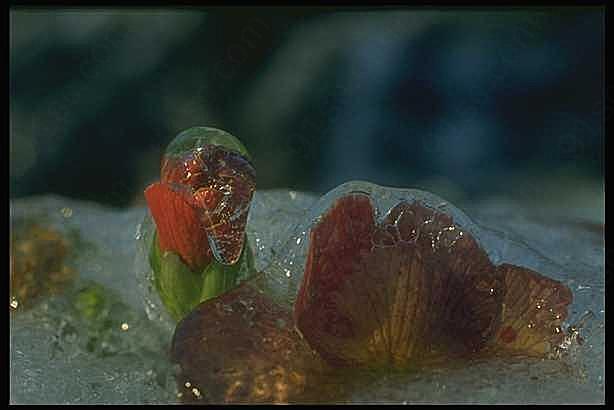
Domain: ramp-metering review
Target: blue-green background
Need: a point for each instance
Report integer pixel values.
(467, 103)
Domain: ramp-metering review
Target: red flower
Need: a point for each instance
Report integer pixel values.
(201, 204)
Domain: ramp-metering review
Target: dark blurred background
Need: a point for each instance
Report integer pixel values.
(467, 103)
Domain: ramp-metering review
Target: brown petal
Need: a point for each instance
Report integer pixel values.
(222, 184)
(241, 347)
(178, 225)
(456, 290)
(415, 289)
(534, 308)
(407, 290)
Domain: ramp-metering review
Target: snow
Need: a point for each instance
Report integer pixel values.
(51, 361)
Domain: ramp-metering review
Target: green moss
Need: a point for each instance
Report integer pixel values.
(91, 302)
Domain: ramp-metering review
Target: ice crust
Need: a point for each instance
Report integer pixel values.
(51, 366)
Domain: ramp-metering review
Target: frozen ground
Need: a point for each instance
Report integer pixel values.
(58, 356)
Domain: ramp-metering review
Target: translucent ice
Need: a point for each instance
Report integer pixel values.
(91, 342)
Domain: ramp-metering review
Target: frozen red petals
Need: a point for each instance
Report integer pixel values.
(179, 227)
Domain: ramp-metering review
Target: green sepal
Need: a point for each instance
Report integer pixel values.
(178, 287)
(182, 289)
(220, 278)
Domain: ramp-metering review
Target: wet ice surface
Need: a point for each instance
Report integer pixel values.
(57, 355)
(576, 245)
(52, 365)
(273, 217)
(495, 381)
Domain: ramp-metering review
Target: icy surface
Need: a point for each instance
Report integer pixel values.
(273, 216)
(57, 354)
(494, 381)
(52, 363)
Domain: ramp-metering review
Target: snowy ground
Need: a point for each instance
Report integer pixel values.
(57, 356)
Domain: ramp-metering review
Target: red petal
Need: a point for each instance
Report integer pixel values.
(336, 243)
(178, 225)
